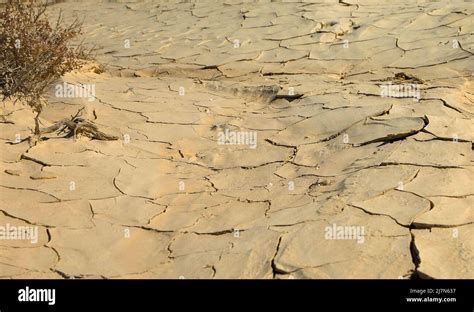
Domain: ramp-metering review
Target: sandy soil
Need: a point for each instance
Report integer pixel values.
(317, 150)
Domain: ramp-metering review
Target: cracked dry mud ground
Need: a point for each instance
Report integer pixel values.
(399, 168)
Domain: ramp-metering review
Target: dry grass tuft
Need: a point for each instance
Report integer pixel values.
(35, 53)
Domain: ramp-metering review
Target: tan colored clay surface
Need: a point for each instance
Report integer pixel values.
(167, 200)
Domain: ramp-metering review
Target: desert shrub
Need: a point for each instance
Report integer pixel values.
(34, 53)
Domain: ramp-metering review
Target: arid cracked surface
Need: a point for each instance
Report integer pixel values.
(167, 201)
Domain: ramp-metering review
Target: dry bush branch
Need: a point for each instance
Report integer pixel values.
(78, 126)
(34, 54)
